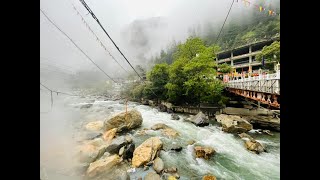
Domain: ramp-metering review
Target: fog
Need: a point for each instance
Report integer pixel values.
(140, 28)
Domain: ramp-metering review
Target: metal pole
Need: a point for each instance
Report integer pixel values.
(126, 108)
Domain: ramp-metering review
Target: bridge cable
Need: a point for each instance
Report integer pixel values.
(76, 45)
(95, 18)
(102, 45)
(224, 22)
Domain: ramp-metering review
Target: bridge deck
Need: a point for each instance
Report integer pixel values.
(263, 88)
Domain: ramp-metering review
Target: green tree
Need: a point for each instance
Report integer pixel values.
(192, 74)
(191, 78)
(201, 84)
(190, 48)
(249, 37)
(224, 68)
(270, 53)
(158, 76)
(177, 77)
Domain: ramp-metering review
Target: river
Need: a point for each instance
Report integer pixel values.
(63, 126)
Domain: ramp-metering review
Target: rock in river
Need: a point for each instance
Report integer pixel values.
(200, 119)
(158, 165)
(233, 124)
(204, 152)
(124, 121)
(254, 146)
(146, 151)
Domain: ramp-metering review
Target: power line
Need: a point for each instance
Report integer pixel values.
(58, 92)
(224, 22)
(102, 45)
(75, 45)
(51, 97)
(95, 18)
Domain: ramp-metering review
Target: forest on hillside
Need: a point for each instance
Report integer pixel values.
(255, 26)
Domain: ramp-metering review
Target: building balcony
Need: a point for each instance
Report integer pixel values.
(238, 57)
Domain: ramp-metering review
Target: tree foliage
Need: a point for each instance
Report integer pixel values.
(158, 77)
(191, 78)
(270, 53)
(224, 68)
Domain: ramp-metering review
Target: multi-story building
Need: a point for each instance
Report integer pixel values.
(243, 58)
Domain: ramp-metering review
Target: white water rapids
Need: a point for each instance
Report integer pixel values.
(63, 126)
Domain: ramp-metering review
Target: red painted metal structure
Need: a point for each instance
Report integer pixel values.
(264, 88)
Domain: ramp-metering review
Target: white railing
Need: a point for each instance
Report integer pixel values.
(269, 83)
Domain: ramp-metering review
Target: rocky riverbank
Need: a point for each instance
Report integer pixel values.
(145, 143)
(260, 118)
(113, 154)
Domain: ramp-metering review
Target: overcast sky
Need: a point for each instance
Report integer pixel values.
(116, 16)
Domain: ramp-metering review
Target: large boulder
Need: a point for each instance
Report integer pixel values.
(94, 126)
(158, 165)
(200, 119)
(92, 150)
(152, 176)
(233, 124)
(204, 152)
(124, 121)
(103, 165)
(116, 144)
(146, 151)
(254, 146)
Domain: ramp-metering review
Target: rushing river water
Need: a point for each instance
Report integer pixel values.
(62, 127)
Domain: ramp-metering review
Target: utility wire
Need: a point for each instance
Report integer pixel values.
(58, 92)
(51, 97)
(102, 45)
(76, 45)
(224, 22)
(95, 18)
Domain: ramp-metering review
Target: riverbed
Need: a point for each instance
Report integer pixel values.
(62, 128)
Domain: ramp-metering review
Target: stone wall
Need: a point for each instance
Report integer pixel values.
(209, 111)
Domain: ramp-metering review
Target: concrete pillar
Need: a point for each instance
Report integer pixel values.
(231, 58)
(250, 57)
